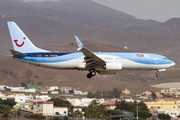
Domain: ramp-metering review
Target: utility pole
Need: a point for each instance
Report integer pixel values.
(46, 110)
(16, 114)
(77, 114)
(137, 110)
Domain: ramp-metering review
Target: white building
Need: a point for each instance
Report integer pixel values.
(3, 86)
(43, 97)
(48, 108)
(147, 92)
(2, 95)
(54, 92)
(80, 102)
(78, 92)
(53, 88)
(20, 99)
(17, 88)
(100, 101)
(61, 110)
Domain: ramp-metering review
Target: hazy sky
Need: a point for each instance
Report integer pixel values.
(160, 10)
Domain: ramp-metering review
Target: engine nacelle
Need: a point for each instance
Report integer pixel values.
(114, 66)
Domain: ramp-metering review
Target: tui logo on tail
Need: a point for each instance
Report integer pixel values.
(20, 44)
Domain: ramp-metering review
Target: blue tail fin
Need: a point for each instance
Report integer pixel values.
(20, 41)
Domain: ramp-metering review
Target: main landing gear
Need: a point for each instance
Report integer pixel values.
(91, 73)
(158, 74)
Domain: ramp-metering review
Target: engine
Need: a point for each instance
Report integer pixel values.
(113, 66)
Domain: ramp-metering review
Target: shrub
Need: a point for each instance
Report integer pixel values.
(37, 116)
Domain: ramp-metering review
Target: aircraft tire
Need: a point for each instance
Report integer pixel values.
(89, 75)
(157, 75)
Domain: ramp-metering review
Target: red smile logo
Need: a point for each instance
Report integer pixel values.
(19, 45)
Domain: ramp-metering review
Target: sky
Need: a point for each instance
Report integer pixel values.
(159, 10)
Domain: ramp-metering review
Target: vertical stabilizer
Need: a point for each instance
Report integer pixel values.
(20, 41)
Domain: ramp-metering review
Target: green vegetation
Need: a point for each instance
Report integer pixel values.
(116, 93)
(23, 84)
(71, 91)
(16, 112)
(56, 118)
(57, 113)
(36, 116)
(60, 102)
(164, 116)
(99, 112)
(114, 112)
(154, 96)
(132, 106)
(7, 89)
(142, 114)
(5, 115)
(143, 111)
(8, 102)
(4, 108)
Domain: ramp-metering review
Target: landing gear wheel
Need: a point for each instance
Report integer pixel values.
(89, 75)
(93, 73)
(157, 75)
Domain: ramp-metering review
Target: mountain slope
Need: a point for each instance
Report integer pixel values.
(170, 27)
(82, 6)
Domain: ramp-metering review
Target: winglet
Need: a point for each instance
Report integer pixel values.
(80, 45)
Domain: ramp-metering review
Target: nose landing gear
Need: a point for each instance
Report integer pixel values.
(91, 73)
(158, 74)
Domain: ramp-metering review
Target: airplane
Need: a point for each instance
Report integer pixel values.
(103, 63)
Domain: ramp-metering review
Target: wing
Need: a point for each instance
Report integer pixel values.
(91, 59)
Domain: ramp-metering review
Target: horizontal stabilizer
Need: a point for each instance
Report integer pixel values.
(18, 54)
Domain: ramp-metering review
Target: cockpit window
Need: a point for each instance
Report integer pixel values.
(165, 58)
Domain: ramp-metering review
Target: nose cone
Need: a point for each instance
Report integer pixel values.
(172, 63)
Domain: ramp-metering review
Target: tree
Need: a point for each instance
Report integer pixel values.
(107, 94)
(37, 116)
(66, 118)
(57, 113)
(94, 102)
(98, 94)
(60, 102)
(56, 118)
(131, 106)
(142, 114)
(90, 95)
(4, 108)
(5, 115)
(11, 103)
(97, 112)
(154, 96)
(116, 93)
(23, 84)
(71, 91)
(164, 116)
(114, 112)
